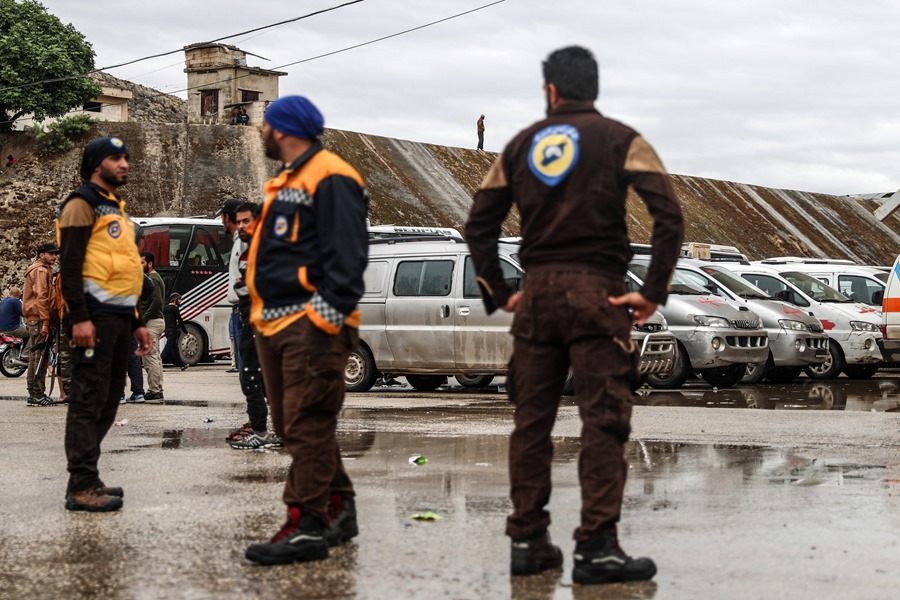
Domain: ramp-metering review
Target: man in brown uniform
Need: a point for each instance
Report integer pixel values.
(568, 175)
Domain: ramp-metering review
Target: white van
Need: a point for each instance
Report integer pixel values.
(859, 283)
(853, 329)
(423, 318)
(890, 307)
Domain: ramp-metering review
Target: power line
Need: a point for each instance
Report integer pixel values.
(131, 62)
(355, 46)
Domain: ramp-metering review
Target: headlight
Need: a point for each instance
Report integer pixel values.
(710, 321)
(791, 324)
(864, 326)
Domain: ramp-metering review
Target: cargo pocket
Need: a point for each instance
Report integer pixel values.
(524, 319)
(593, 315)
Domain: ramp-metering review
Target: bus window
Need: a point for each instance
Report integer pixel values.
(203, 251)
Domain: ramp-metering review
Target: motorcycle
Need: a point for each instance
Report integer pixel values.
(10, 349)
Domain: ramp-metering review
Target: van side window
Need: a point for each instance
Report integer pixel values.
(470, 286)
(424, 278)
(772, 286)
(860, 289)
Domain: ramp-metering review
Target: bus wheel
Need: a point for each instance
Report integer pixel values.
(360, 372)
(192, 345)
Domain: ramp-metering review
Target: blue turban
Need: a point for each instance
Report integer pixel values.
(296, 116)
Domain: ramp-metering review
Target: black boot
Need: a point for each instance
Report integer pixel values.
(534, 555)
(301, 539)
(342, 512)
(602, 560)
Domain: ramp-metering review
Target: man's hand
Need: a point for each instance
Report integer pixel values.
(45, 328)
(511, 303)
(84, 334)
(642, 309)
(145, 341)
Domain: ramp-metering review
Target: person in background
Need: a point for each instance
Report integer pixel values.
(152, 313)
(479, 126)
(135, 369)
(174, 325)
(39, 306)
(569, 175)
(12, 320)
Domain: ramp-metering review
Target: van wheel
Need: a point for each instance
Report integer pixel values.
(724, 377)
(426, 383)
(360, 372)
(783, 374)
(833, 365)
(679, 374)
(861, 371)
(192, 345)
(474, 381)
(756, 373)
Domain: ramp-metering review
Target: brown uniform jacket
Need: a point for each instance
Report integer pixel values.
(569, 176)
(39, 297)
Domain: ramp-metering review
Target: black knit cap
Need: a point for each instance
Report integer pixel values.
(97, 150)
(229, 207)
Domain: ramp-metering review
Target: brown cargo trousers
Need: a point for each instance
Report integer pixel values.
(563, 318)
(303, 371)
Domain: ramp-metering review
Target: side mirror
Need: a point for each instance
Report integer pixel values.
(785, 296)
(878, 297)
(515, 283)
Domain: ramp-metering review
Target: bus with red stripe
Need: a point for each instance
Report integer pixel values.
(192, 258)
(890, 315)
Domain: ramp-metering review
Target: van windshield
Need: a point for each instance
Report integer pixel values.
(679, 284)
(736, 285)
(814, 288)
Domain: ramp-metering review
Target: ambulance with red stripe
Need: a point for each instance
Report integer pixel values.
(890, 307)
(853, 328)
(192, 258)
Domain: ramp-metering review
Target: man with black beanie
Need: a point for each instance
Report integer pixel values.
(101, 286)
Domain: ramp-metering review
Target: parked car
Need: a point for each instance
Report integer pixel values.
(859, 283)
(715, 339)
(853, 329)
(423, 318)
(796, 337)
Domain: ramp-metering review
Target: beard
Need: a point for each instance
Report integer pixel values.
(547, 98)
(272, 149)
(111, 178)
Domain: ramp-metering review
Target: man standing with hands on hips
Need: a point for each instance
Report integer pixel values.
(101, 285)
(569, 175)
(308, 251)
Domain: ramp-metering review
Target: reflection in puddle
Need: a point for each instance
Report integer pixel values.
(194, 438)
(841, 394)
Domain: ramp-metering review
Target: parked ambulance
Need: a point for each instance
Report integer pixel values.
(853, 328)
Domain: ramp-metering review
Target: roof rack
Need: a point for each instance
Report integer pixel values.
(399, 239)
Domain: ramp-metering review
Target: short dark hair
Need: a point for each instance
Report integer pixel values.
(148, 256)
(251, 207)
(574, 72)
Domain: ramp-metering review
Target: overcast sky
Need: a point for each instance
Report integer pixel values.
(790, 94)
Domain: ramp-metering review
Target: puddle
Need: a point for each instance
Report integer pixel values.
(841, 394)
(194, 438)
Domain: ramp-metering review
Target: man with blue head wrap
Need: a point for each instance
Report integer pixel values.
(305, 266)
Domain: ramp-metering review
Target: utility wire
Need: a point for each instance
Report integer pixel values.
(393, 35)
(131, 62)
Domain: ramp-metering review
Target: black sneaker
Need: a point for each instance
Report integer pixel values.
(301, 539)
(343, 527)
(154, 395)
(43, 401)
(602, 560)
(534, 555)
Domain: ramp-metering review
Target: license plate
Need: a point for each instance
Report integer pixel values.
(821, 352)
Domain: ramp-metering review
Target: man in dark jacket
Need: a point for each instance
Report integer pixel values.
(569, 175)
(305, 275)
(174, 324)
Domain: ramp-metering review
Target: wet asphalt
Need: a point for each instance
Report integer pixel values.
(753, 492)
